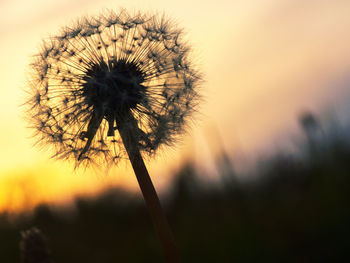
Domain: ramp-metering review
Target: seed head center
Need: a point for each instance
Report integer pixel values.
(116, 86)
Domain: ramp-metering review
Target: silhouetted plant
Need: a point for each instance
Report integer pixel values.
(313, 130)
(33, 247)
(114, 72)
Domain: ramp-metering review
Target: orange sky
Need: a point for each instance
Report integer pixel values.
(263, 60)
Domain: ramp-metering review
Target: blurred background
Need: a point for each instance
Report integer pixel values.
(263, 175)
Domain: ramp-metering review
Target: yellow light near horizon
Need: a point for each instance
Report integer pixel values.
(24, 188)
(263, 61)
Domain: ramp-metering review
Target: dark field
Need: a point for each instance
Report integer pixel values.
(296, 210)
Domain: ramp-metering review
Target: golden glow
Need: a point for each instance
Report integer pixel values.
(24, 188)
(263, 62)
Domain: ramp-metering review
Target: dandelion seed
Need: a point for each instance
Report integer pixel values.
(102, 80)
(111, 73)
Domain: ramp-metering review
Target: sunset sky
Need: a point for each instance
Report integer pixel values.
(263, 61)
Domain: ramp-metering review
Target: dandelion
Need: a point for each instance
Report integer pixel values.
(111, 87)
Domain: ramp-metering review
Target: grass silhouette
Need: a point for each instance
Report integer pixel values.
(296, 210)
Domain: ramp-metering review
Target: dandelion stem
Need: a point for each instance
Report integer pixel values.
(148, 191)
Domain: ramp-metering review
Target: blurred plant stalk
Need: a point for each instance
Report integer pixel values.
(33, 247)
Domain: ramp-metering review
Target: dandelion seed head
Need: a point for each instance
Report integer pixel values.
(86, 80)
